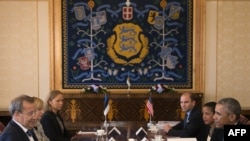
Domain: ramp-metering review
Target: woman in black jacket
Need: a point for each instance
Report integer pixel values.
(51, 121)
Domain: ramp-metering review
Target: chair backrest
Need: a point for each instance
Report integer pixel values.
(244, 120)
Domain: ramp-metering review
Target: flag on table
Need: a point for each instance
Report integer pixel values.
(149, 106)
(106, 105)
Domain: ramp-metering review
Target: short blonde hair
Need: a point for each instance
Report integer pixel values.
(39, 103)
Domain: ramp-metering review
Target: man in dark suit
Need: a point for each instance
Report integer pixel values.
(22, 110)
(192, 125)
(227, 112)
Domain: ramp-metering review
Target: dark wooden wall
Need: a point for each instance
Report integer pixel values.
(80, 108)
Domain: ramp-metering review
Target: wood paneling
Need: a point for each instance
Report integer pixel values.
(124, 107)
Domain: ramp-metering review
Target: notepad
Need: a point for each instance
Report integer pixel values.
(181, 139)
(81, 132)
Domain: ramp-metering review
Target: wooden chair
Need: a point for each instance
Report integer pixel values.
(244, 120)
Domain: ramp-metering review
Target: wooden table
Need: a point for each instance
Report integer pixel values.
(128, 129)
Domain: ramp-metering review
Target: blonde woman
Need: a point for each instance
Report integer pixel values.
(39, 113)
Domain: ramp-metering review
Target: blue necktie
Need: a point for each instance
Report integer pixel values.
(30, 132)
(186, 119)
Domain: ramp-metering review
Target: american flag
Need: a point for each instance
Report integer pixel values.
(149, 106)
(106, 105)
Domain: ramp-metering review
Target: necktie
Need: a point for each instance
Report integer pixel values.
(30, 132)
(186, 119)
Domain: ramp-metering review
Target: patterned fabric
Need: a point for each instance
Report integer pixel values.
(40, 133)
(149, 42)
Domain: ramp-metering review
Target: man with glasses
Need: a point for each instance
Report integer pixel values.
(23, 110)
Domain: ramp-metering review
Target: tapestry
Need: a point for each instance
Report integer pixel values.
(116, 42)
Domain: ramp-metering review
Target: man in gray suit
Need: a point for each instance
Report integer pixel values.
(22, 110)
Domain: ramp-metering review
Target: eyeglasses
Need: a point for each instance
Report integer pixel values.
(32, 113)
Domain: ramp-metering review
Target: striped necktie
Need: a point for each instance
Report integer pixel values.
(30, 132)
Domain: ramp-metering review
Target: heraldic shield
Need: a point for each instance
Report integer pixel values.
(128, 42)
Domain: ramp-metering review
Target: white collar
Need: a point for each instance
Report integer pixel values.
(23, 128)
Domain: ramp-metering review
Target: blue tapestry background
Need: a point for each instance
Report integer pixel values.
(107, 42)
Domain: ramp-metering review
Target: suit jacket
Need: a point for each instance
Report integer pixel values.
(195, 127)
(207, 130)
(13, 132)
(52, 128)
(218, 134)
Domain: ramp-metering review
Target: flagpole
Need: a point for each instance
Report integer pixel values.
(105, 115)
(105, 124)
(129, 84)
(106, 128)
(150, 113)
(150, 119)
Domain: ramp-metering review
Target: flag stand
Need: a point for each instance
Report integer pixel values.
(150, 119)
(105, 124)
(150, 122)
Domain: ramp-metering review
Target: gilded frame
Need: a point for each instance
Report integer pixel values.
(198, 49)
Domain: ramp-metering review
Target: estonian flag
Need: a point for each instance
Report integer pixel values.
(149, 106)
(106, 105)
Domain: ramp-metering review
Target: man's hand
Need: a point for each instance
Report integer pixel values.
(167, 127)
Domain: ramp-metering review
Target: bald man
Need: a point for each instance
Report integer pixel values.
(192, 125)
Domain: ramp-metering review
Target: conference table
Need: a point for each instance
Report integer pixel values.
(121, 131)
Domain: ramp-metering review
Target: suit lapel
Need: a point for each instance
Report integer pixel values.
(19, 131)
